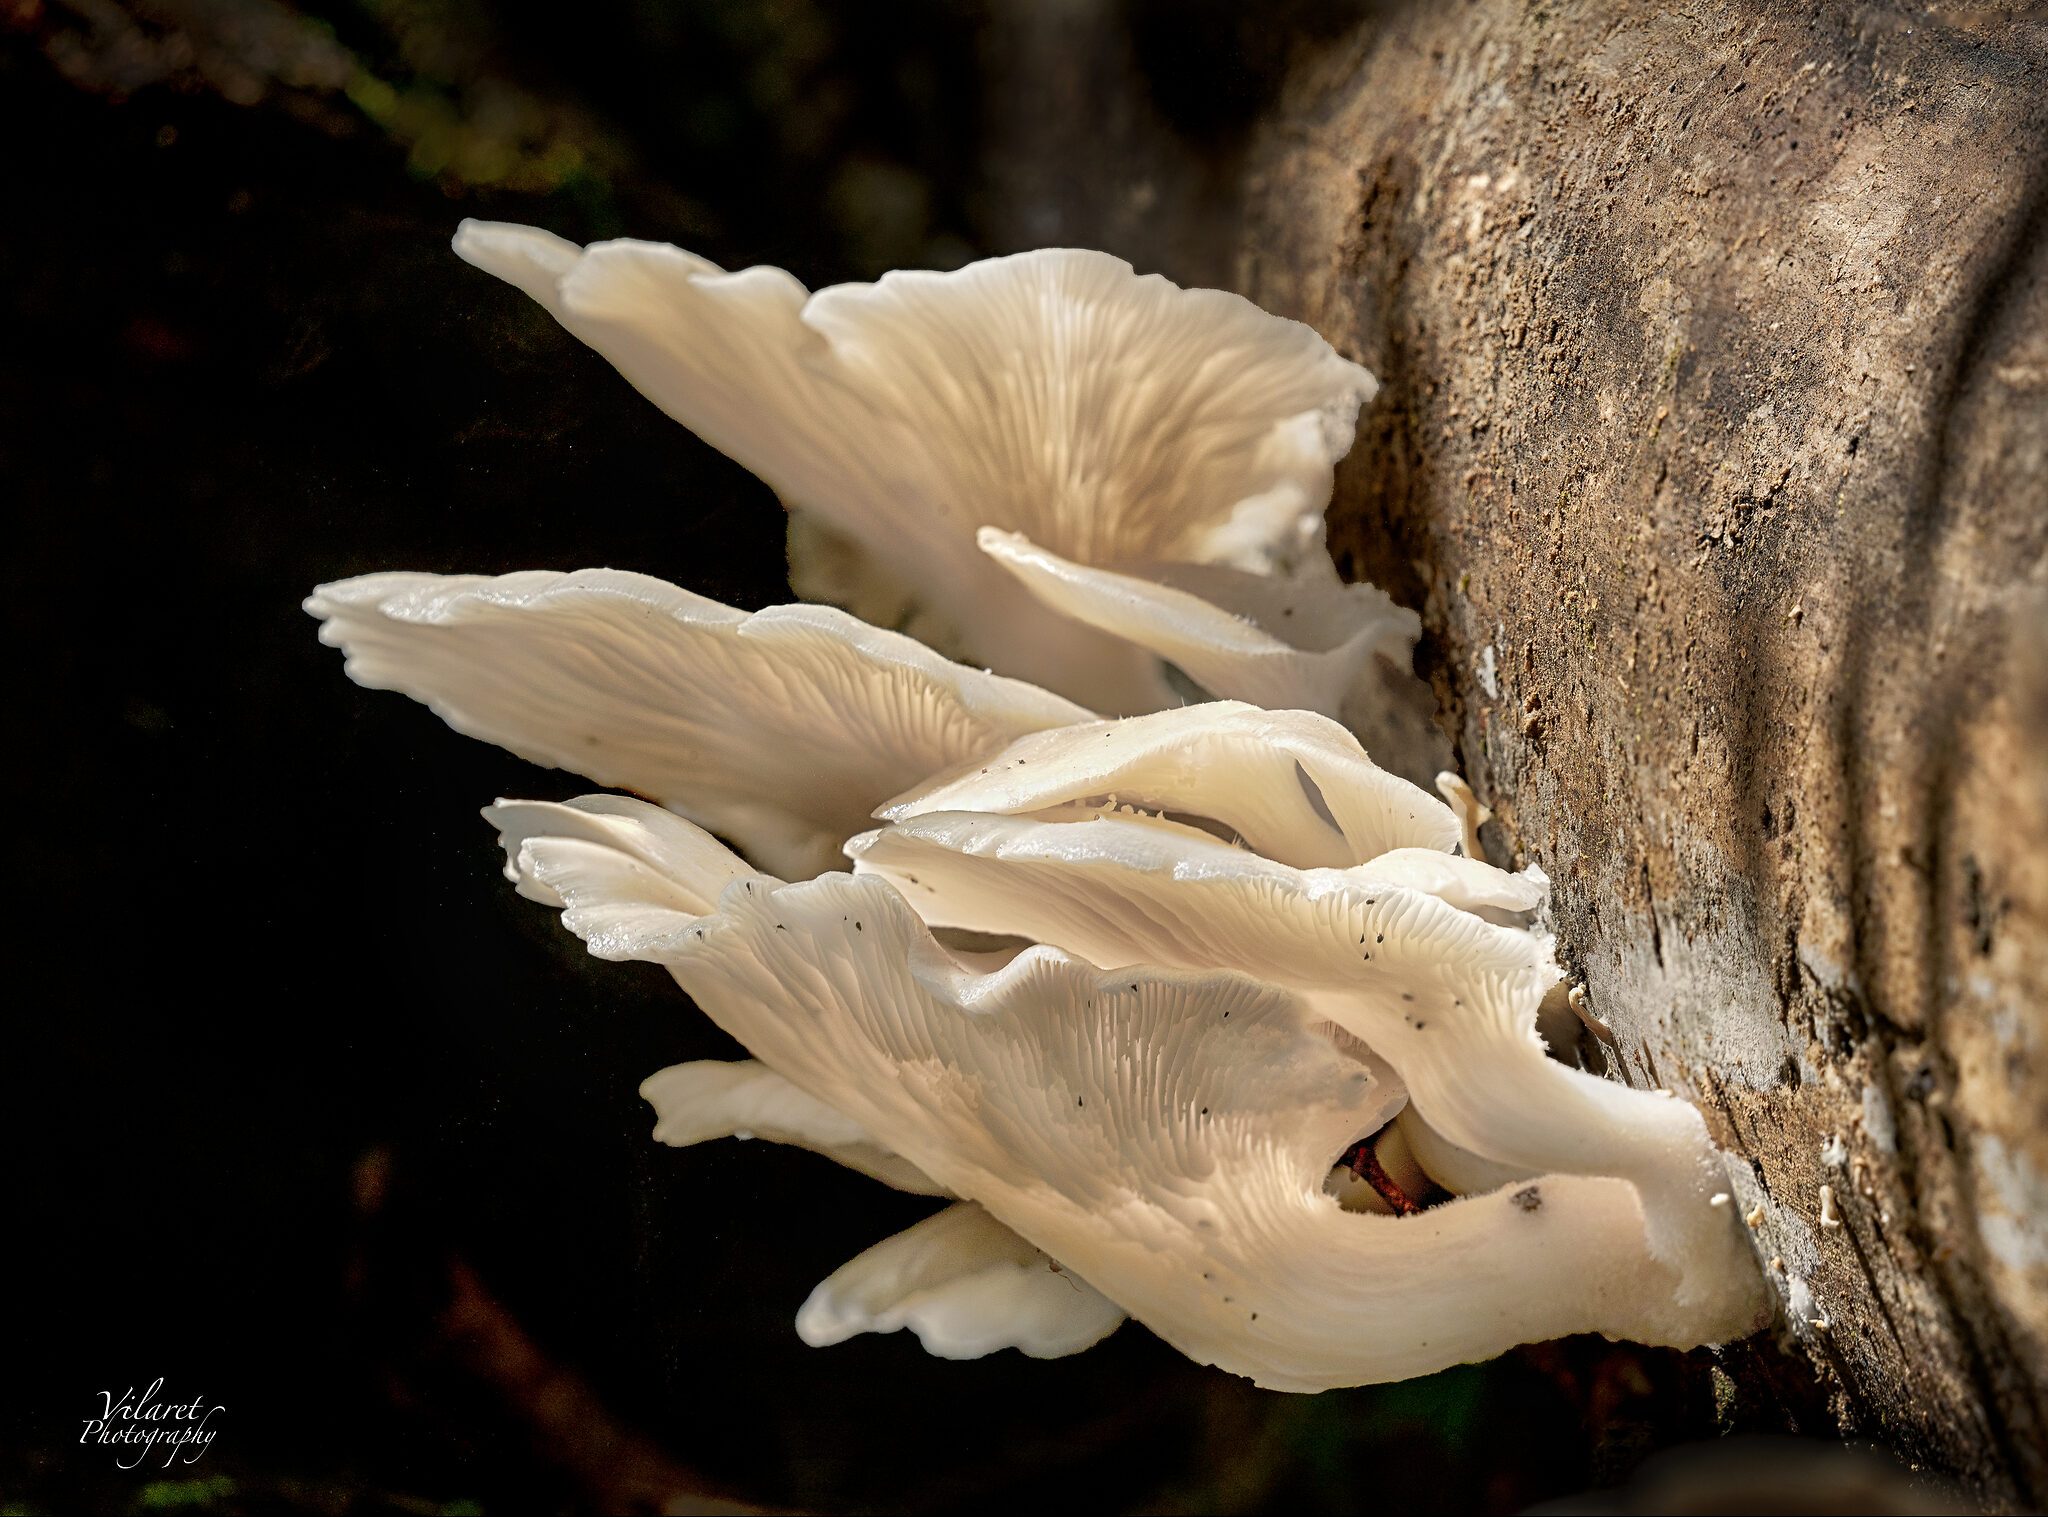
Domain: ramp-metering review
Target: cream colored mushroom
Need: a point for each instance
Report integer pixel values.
(967, 1286)
(1293, 785)
(743, 1098)
(781, 729)
(1446, 997)
(1294, 641)
(1115, 419)
(1162, 1135)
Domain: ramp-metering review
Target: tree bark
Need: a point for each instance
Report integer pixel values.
(1714, 450)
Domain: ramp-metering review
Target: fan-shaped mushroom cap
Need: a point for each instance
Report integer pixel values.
(1289, 642)
(967, 1286)
(715, 1098)
(781, 729)
(1110, 416)
(1466, 883)
(693, 869)
(1164, 1135)
(1446, 997)
(1295, 786)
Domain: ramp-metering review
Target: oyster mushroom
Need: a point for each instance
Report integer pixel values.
(1293, 785)
(1255, 954)
(1446, 997)
(967, 1286)
(781, 729)
(1116, 420)
(1298, 641)
(1162, 1135)
(743, 1098)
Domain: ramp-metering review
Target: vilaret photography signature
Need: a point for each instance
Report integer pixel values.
(138, 1427)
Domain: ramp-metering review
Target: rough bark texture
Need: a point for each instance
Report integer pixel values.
(1714, 450)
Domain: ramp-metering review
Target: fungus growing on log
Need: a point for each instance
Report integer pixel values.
(1253, 1058)
(1162, 1136)
(1293, 785)
(1444, 995)
(1294, 642)
(781, 729)
(1113, 419)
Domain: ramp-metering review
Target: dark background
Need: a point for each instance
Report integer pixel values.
(308, 1113)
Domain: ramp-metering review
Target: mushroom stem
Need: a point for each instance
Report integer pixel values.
(1472, 812)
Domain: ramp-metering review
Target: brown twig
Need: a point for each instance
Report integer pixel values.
(1363, 1160)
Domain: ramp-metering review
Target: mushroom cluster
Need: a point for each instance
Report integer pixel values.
(1190, 1011)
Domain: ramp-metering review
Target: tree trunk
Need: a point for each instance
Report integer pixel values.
(1714, 450)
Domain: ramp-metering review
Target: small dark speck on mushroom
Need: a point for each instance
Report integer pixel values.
(1379, 937)
(1080, 1101)
(1528, 1198)
(1407, 995)
(856, 927)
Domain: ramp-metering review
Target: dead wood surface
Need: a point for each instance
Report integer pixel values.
(1714, 450)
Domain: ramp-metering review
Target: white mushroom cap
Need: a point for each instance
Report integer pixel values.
(1112, 417)
(1295, 786)
(967, 1286)
(1292, 642)
(781, 729)
(1467, 883)
(1165, 1135)
(1447, 998)
(631, 827)
(1081, 473)
(714, 1098)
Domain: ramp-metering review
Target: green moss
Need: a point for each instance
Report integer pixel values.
(184, 1495)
